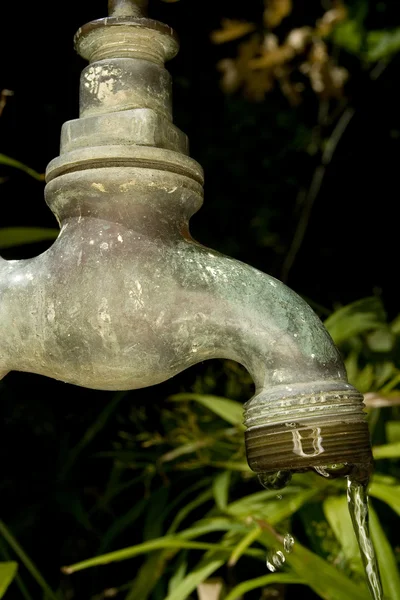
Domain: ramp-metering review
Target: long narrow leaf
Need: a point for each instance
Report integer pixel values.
(210, 563)
(8, 571)
(337, 514)
(386, 559)
(229, 410)
(16, 164)
(261, 582)
(131, 551)
(244, 543)
(148, 576)
(387, 493)
(387, 451)
(92, 431)
(18, 236)
(221, 489)
(24, 558)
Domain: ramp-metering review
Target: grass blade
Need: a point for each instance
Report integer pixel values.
(210, 563)
(16, 164)
(260, 582)
(337, 514)
(244, 543)
(148, 576)
(356, 318)
(386, 559)
(387, 493)
(221, 489)
(8, 571)
(229, 410)
(92, 431)
(24, 558)
(131, 551)
(18, 236)
(387, 451)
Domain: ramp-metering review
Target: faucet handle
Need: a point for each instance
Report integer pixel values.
(127, 8)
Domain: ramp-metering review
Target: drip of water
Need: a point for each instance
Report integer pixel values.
(275, 481)
(276, 558)
(334, 470)
(357, 498)
(288, 543)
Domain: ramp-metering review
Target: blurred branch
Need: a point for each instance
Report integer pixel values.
(327, 148)
(375, 400)
(4, 96)
(311, 195)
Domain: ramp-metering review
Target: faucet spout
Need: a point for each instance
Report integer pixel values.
(126, 298)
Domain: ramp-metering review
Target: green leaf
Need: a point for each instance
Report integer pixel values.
(382, 44)
(337, 514)
(94, 429)
(393, 431)
(186, 510)
(221, 489)
(244, 543)
(266, 505)
(349, 36)
(229, 410)
(387, 493)
(24, 558)
(175, 542)
(16, 164)
(122, 523)
(210, 563)
(386, 451)
(18, 236)
(148, 576)
(261, 582)
(364, 378)
(386, 559)
(356, 318)
(8, 571)
(179, 573)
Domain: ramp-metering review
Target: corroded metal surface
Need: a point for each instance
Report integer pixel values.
(125, 298)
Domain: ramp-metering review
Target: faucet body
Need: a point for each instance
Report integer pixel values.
(126, 298)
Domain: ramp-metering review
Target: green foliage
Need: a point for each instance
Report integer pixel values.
(18, 236)
(16, 164)
(8, 570)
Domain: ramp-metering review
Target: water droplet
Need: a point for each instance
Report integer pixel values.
(334, 470)
(275, 560)
(275, 481)
(288, 542)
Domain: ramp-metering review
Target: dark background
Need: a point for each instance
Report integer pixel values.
(254, 160)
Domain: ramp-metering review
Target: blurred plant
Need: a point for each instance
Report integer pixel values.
(6, 160)
(279, 50)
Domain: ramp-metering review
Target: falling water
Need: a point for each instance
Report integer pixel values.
(357, 498)
(277, 481)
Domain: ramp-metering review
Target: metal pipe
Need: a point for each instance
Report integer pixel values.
(127, 8)
(125, 298)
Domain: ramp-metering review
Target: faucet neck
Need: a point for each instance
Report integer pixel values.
(125, 99)
(149, 201)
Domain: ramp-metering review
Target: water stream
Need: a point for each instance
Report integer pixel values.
(357, 497)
